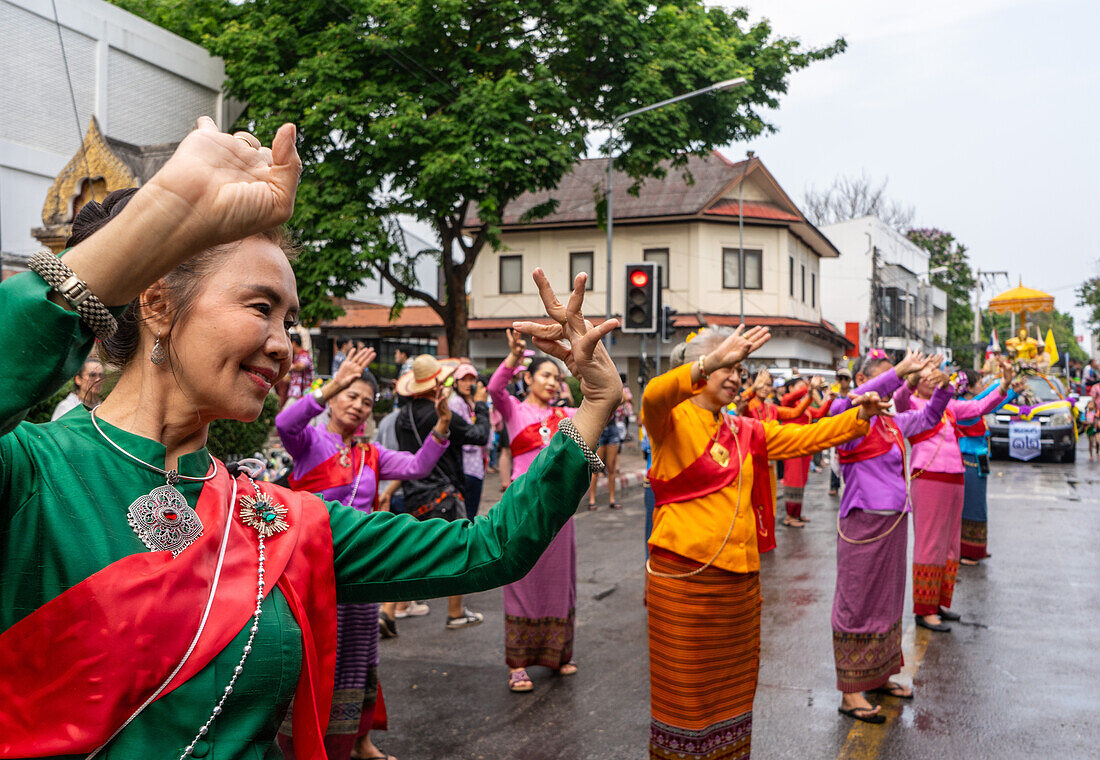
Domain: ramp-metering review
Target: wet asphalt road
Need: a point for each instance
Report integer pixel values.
(1018, 678)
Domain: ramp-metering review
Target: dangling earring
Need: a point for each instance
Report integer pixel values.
(158, 355)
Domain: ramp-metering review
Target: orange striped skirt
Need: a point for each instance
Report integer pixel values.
(704, 655)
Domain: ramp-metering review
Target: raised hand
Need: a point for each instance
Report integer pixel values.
(221, 187)
(582, 350)
(578, 344)
(911, 362)
(516, 346)
(442, 427)
(1008, 372)
(871, 405)
(816, 382)
(481, 394)
(938, 378)
(735, 348)
(352, 368)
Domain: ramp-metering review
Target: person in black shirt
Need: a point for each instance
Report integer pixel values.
(439, 494)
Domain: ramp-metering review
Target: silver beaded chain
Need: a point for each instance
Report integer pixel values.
(247, 647)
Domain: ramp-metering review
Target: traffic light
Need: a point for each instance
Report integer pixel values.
(668, 326)
(643, 298)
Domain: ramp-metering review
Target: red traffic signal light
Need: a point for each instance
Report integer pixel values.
(643, 299)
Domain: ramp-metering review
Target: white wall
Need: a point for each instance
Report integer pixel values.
(144, 85)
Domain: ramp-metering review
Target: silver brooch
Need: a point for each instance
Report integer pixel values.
(164, 521)
(263, 514)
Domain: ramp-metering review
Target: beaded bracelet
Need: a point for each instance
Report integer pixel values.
(595, 464)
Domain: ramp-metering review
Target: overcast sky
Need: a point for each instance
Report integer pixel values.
(983, 114)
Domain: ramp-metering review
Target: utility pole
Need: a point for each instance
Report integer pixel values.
(875, 285)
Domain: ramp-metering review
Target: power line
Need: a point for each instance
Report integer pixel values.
(72, 99)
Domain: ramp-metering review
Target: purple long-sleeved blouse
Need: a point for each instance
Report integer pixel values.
(879, 483)
(311, 445)
(885, 383)
(940, 453)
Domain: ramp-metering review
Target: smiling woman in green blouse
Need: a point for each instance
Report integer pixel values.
(151, 598)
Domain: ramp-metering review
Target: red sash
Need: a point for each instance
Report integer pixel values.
(932, 432)
(76, 668)
(883, 436)
(330, 473)
(706, 475)
(530, 438)
(973, 430)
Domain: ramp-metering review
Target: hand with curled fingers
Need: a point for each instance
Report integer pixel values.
(911, 362)
(220, 188)
(871, 405)
(578, 344)
(732, 350)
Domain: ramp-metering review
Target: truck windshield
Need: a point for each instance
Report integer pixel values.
(1041, 389)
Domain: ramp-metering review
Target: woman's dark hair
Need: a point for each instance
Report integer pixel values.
(296, 339)
(972, 380)
(538, 362)
(369, 378)
(183, 281)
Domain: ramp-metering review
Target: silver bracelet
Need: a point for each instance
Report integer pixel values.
(595, 464)
(91, 310)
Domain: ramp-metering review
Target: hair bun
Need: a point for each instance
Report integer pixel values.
(94, 214)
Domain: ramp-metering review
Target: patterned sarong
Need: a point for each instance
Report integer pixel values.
(795, 474)
(869, 600)
(539, 609)
(704, 655)
(937, 524)
(974, 514)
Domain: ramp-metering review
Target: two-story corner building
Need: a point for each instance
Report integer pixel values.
(879, 289)
(136, 90)
(690, 227)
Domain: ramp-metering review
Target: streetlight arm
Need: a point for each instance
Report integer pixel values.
(728, 84)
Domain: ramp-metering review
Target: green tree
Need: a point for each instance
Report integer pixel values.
(957, 281)
(447, 111)
(1088, 296)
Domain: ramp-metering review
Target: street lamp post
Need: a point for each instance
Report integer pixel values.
(728, 84)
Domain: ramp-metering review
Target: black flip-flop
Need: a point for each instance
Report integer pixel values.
(854, 713)
(615, 505)
(888, 692)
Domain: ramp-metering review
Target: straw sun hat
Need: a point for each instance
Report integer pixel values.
(426, 373)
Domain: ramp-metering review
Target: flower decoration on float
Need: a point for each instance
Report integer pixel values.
(263, 514)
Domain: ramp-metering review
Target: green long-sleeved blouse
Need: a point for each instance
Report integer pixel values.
(64, 494)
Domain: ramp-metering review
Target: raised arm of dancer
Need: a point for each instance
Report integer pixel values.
(787, 441)
(503, 401)
(918, 420)
(796, 411)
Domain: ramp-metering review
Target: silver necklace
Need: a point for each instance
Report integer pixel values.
(162, 518)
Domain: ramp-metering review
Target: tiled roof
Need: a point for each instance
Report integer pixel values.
(753, 210)
(579, 190)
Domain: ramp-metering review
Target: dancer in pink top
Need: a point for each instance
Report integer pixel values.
(538, 610)
(938, 486)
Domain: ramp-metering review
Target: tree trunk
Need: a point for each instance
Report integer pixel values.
(455, 322)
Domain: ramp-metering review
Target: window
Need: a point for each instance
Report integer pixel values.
(511, 274)
(754, 269)
(581, 262)
(658, 256)
(813, 289)
(790, 273)
(803, 283)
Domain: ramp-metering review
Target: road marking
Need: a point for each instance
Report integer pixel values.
(865, 739)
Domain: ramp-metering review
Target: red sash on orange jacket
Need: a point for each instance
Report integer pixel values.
(934, 431)
(882, 437)
(705, 475)
(529, 438)
(330, 473)
(76, 668)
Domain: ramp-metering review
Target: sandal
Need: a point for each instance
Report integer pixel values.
(793, 522)
(519, 682)
(615, 505)
(568, 669)
(874, 717)
(593, 507)
(892, 689)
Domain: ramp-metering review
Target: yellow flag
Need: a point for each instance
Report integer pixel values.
(1051, 347)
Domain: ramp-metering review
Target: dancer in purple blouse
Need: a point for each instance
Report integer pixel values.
(872, 529)
(330, 462)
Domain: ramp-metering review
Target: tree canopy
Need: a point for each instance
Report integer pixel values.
(448, 110)
(1088, 296)
(957, 281)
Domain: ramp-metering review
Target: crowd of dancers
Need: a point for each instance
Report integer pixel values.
(165, 602)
